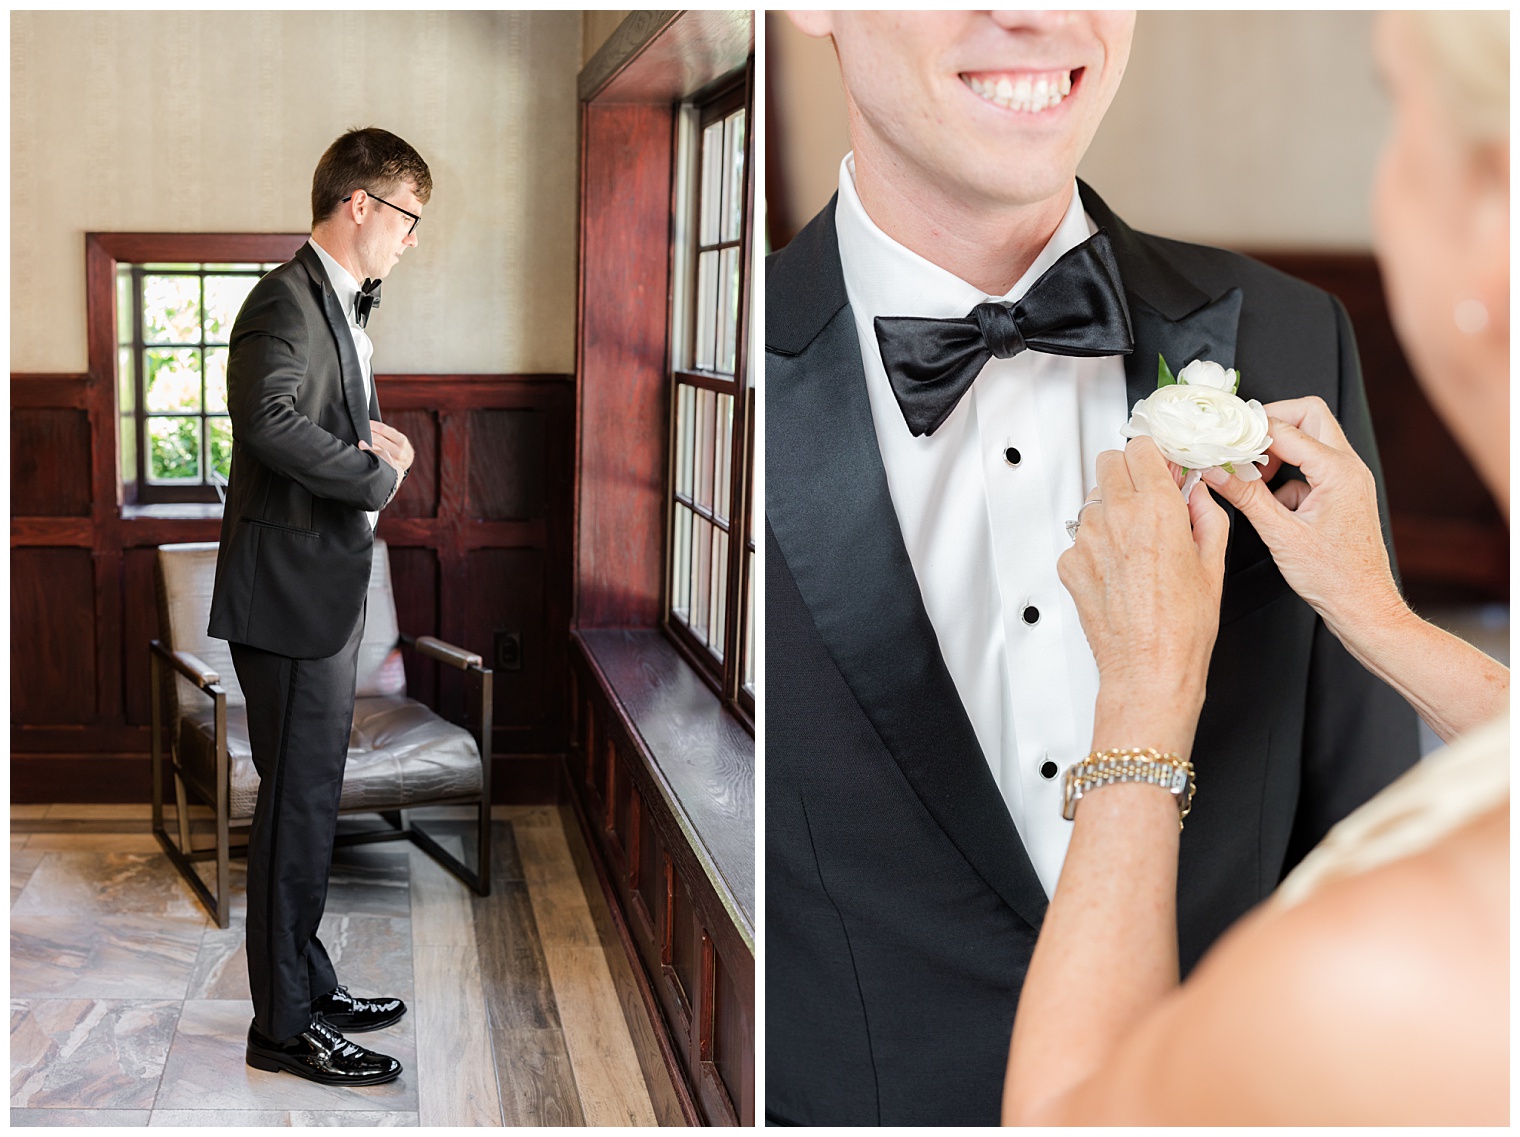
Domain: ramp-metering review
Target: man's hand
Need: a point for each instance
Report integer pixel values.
(391, 445)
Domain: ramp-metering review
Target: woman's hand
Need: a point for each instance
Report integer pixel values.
(1323, 533)
(1146, 573)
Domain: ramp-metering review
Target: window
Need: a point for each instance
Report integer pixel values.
(164, 304)
(711, 546)
(172, 324)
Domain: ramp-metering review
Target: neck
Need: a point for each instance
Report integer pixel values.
(338, 249)
(989, 245)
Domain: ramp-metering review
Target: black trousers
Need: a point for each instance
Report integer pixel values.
(300, 712)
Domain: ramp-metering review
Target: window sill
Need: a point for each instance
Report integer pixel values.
(702, 756)
(174, 511)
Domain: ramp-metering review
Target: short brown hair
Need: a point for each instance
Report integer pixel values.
(370, 159)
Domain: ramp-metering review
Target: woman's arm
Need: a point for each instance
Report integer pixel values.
(1323, 533)
(1381, 1000)
(1146, 571)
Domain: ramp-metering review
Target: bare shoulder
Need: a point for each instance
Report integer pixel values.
(1381, 999)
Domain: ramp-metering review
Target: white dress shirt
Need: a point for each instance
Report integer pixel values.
(346, 288)
(982, 503)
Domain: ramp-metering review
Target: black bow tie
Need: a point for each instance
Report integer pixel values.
(1076, 308)
(368, 297)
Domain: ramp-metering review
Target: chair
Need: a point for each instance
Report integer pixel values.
(401, 754)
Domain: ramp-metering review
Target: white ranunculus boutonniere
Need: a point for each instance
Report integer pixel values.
(1197, 421)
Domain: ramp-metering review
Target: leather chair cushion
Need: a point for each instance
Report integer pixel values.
(399, 753)
(188, 572)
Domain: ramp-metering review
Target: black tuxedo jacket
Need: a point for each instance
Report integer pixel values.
(902, 908)
(294, 563)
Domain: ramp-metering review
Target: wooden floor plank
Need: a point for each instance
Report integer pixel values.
(518, 990)
(96, 842)
(559, 903)
(607, 1073)
(441, 915)
(456, 1078)
(537, 1081)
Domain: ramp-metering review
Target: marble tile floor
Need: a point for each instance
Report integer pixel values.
(129, 1007)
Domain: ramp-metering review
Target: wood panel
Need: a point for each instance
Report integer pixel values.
(83, 585)
(687, 937)
(625, 253)
(512, 487)
(50, 462)
(418, 496)
(53, 642)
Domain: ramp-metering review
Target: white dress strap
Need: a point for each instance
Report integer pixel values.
(1438, 796)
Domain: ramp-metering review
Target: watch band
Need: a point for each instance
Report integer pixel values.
(1105, 767)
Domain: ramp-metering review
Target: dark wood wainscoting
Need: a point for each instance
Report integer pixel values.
(662, 780)
(480, 540)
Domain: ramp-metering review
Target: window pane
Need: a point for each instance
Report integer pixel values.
(686, 437)
(712, 183)
(706, 425)
(216, 378)
(724, 461)
(733, 190)
(707, 310)
(749, 625)
(126, 386)
(717, 616)
(701, 576)
(124, 306)
(728, 316)
(680, 572)
(219, 443)
(174, 449)
(173, 379)
(171, 309)
(224, 296)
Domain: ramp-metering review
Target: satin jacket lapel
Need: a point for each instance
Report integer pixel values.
(348, 358)
(1170, 315)
(830, 508)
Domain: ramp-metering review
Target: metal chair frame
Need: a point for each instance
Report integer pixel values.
(184, 856)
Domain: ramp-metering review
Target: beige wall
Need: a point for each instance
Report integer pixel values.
(196, 121)
(1238, 128)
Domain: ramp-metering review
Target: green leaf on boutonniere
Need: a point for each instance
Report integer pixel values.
(1164, 376)
(1235, 390)
(1227, 467)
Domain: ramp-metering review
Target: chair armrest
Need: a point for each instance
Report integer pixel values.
(190, 666)
(434, 648)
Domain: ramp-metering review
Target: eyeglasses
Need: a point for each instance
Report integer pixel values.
(415, 218)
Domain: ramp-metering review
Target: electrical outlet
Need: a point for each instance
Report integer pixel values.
(508, 653)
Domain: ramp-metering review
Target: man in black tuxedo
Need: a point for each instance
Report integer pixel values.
(312, 465)
(927, 678)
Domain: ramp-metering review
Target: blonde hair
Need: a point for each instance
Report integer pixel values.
(1469, 57)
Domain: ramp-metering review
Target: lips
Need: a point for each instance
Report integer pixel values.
(1024, 92)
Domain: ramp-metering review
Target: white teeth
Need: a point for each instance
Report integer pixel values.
(1028, 96)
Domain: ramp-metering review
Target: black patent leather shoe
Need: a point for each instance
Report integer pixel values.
(354, 1015)
(320, 1054)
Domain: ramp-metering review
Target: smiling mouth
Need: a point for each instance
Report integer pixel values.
(1026, 92)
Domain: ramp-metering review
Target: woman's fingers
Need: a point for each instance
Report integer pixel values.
(1252, 499)
(1296, 448)
(1147, 468)
(1292, 494)
(1211, 529)
(1113, 476)
(1312, 416)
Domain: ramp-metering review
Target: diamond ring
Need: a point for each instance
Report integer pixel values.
(1073, 526)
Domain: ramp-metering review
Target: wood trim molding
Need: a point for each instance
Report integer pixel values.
(664, 57)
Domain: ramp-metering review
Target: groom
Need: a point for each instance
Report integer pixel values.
(311, 468)
(927, 676)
